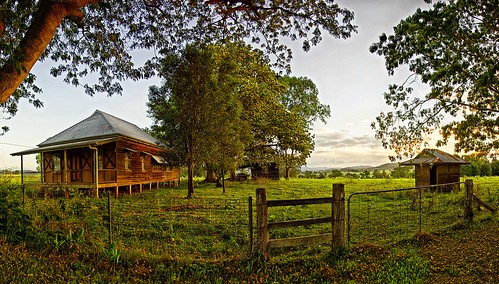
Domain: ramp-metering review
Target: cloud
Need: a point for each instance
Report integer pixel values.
(338, 148)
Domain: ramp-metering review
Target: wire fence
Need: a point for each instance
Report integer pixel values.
(159, 225)
(389, 215)
(488, 191)
(149, 224)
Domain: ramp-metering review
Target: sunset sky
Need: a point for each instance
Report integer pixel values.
(349, 78)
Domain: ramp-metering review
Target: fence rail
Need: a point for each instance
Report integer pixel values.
(208, 227)
(337, 219)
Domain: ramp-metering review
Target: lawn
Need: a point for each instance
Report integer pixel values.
(159, 236)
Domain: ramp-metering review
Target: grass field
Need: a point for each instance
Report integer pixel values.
(159, 236)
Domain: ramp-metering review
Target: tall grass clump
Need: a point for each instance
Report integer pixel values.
(15, 224)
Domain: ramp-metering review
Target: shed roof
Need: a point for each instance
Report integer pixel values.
(98, 127)
(434, 156)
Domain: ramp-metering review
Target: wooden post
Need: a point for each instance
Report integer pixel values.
(96, 170)
(468, 201)
(109, 217)
(262, 221)
(250, 223)
(338, 217)
(64, 168)
(129, 189)
(116, 192)
(22, 178)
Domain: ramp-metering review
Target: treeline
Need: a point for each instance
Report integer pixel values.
(400, 172)
(480, 166)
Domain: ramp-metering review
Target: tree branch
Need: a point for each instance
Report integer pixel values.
(44, 25)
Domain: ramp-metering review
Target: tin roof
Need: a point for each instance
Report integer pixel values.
(434, 156)
(97, 128)
(100, 125)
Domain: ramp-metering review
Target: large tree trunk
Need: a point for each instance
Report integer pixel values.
(190, 179)
(286, 175)
(223, 180)
(211, 176)
(43, 27)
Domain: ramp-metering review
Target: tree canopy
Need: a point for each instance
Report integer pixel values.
(301, 100)
(94, 41)
(203, 110)
(222, 105)
(452, 48)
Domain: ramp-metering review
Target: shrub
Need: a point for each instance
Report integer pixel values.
(15, 224)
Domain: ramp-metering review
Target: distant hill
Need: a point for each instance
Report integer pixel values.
(383, 167)
(387, 166)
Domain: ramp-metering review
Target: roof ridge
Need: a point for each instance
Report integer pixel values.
(100, 124)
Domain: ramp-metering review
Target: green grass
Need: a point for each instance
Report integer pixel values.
(159, 236)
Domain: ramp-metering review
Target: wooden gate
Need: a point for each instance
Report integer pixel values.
(337, 220)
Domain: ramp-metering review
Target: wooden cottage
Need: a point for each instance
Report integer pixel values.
(434, 167)
(103, 152)
(265, 171)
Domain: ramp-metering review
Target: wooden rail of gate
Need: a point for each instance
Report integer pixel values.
(337, 219)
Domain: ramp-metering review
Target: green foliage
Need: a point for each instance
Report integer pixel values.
(206, 109)
(164, 238)
(15, 224)
(221, 106)
(112, 253)
(479, 166)
(300, 98)
(402, 266)
(452, 48)
(101, 38)
(402, 172)
(57, 242)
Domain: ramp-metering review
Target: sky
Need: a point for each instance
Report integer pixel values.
(350, 80)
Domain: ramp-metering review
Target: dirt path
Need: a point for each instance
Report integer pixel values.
(470, 256)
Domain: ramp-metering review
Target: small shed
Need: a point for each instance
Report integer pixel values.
(265, 171)
(434, 167)
(103, 152)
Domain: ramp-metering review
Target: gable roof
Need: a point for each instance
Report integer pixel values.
(99, 128)
(434, 156)
(99, 125)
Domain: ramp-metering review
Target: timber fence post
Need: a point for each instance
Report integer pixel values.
(338, 218)
(250, 223)
(468, 201)
(262, 221)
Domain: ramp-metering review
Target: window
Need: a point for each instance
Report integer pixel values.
(128, 161)
(56, 162)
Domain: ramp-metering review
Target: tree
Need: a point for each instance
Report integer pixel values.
(380, 174)
(200, 113)
(99, 38)
(365, 174)
(401, 172)
(479, 165)
(495, 167)
(336, 173)
(302, 102)
(451, 48)
(302, 97)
